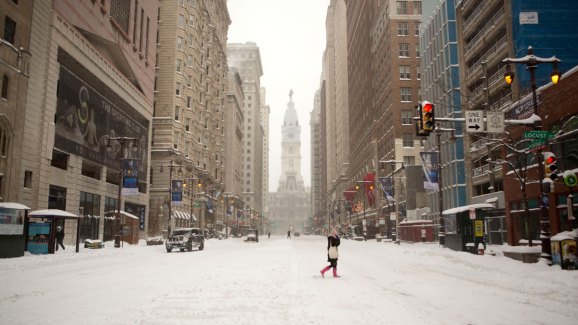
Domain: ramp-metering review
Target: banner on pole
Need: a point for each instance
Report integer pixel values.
(430, 165)
(176, 191)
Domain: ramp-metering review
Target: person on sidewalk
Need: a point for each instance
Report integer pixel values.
(59, 237)
(289, 234)
(332, 253)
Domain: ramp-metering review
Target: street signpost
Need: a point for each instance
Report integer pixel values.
(495, 122)
(542, 135)
(475, 121)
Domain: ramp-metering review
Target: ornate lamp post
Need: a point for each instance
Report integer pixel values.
(531, 61)
(124, 142)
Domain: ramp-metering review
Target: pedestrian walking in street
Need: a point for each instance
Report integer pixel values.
(59, 237)
(288, 233)
(332, 253)
(269, 235)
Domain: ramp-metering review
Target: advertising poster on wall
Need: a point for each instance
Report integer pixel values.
(429, 163)
(89, 113)
(38, 237)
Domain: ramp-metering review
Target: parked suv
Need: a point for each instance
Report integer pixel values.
(185, 238)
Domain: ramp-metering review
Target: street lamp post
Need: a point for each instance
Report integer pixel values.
(531, 61)
(171, 167)
(123, 142)
(393, 162)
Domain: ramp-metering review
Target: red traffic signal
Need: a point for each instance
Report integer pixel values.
(427, 116)
(550, 166)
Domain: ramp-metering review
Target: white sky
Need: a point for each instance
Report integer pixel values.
(277, 282)
(291, 39)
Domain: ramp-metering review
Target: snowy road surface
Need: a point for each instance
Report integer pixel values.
(277, 281)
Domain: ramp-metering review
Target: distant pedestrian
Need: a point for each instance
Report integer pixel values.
(269, 235)
(332, 253)
(59, 237)
(288, 233)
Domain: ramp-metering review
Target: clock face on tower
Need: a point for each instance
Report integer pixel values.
(290, 135)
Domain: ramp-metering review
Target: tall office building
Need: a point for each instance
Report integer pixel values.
(234, 134)
(441, 86)
(189, 120)
(247, 59)
(336, 98)
(15, 21)
(91, 82)
(488, 32)
(265, 112)
(317, 169)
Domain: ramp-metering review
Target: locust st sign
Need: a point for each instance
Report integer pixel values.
(475, 121)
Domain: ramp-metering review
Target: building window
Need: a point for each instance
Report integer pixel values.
(408, 140)
(57, 197)
(418, 70)
(189, 101)
(119, 11)
(419, 94)
(191, 21)
(134, 25)
(59, 160)
(4, 142)
(417, 24)
(409, 160)
(417, 8)
(179, 63)
(9, 30)
(190, 60)
(177, 113)
(180, 43)
(401, 7)
(181, 21)
(405, 94)
(417, 50)
(403, 50)
(406, 117)
(178, 89)
(28, 179)
(176, 140)
(403, 28)
(141, 31)
(404, 72)
(5, 83)
(147, 39)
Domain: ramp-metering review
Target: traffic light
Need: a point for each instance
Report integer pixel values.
(550, 166)
(427, 116)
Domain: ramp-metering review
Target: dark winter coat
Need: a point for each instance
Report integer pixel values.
(332, 241)
(60, 235)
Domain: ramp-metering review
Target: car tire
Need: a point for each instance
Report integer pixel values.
(202, 247)
(169, 250)
(190, 247)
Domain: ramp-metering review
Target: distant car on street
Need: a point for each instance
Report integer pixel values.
(185, 238)
(296, 234)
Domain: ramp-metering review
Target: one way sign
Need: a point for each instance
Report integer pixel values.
(475, 121)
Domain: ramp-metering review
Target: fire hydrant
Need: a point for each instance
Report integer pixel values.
(481, 249)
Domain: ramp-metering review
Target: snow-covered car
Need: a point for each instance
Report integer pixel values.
(185, 238)
(251, 237)
(358, 238)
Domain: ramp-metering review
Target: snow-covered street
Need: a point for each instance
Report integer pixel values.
(277, 281)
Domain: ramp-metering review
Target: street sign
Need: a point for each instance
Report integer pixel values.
(543, 135)
(495, 122)
(536, 145)
(475, 121)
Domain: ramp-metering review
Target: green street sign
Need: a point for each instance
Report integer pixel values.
(536, 143)
(543, 135)
(570, 179)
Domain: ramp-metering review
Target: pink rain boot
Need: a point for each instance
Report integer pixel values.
(325, 269)
(335, 273)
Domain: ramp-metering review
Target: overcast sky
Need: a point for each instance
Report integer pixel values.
(291, 39)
